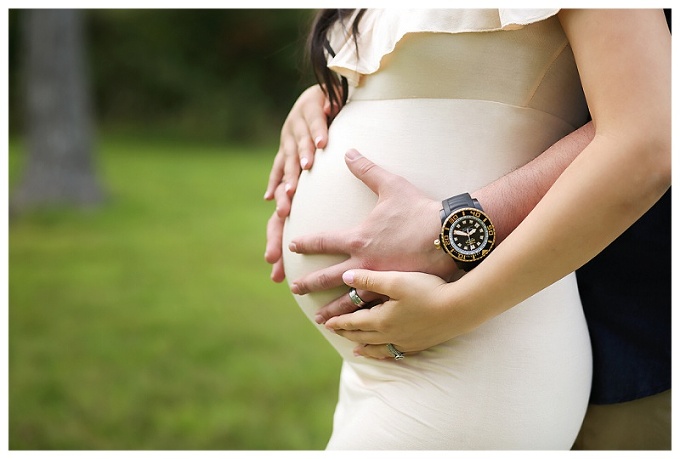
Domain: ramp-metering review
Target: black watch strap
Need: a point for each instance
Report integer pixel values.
(455, 202)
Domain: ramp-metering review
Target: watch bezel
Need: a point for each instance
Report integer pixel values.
(451, 249)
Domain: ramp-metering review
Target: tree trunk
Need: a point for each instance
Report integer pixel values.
(59, 168)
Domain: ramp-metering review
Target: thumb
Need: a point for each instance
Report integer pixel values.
(382, 282)
(366, 170)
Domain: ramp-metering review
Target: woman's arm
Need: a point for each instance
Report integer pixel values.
(623, 58)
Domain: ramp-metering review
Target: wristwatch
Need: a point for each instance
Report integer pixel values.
(467, 233)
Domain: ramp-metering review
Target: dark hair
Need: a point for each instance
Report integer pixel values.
(318, 45)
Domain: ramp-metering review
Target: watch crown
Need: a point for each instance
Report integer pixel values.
(437, 244)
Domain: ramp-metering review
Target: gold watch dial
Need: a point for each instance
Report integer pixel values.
(468, 235)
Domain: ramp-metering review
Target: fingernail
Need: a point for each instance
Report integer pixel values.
(304, 162)
(331, 330)
(317, 141)
(288, 187)
(348, 277)
(319, 319)
(292, 247)
(295, 289)
(352, 154)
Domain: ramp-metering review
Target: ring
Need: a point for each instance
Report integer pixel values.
(356, 299)
(395, 353)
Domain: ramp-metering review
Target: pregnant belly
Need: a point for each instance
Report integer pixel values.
(442, 146)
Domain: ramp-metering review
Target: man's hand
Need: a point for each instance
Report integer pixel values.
(398, 235)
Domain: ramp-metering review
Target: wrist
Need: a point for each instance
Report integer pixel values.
(493, 204)
(467, 233)
(465, 306)
(440, 263)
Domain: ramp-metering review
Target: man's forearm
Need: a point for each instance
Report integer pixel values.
(509, 199)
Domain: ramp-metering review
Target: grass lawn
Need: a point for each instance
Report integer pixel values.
(151, 323)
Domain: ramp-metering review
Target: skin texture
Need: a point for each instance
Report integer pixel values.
(624, 61)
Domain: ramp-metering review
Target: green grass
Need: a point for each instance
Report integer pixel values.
(151, 323)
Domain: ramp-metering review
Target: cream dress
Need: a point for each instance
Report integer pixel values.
(452, 100)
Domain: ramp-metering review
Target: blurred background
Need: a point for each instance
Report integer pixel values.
(141, 313)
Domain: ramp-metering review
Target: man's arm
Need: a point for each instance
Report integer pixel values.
(507, 201)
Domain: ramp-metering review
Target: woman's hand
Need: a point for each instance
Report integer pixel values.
(415, 318)
(305, 130)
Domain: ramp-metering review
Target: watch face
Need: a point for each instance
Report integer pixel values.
(468, 235)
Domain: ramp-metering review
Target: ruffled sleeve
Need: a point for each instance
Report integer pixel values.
(380, 30)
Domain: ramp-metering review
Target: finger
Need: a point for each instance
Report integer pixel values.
(312, 133)
(371, 351)
(305, 143)
(317, 122)
(331, 111)
(278, 274)
(273, 249)
(358, 326)
(291, 167)
(283, 201)
(327, 108)
(306, 156)
(322, 279)
(275, 176)
(361, 336)
(388, 283)
(367, 171)
(322, 243)
(321, 138)
(345, 305)
(376, 351)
